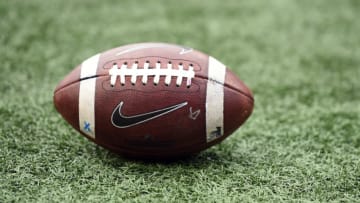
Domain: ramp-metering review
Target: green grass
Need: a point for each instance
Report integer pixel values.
(300, 58)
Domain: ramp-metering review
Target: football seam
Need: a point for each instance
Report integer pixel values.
(197, 76)
(228, 86)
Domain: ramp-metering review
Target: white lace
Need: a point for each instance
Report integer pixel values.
(157, 72)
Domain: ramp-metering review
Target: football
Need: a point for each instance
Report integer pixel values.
(153, 100)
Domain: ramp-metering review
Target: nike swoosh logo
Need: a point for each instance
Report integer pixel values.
(119, 120)
(185, 50)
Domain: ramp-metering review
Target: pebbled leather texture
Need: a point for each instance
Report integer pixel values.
(174, 134)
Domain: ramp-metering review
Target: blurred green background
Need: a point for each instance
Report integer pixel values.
(300, 58)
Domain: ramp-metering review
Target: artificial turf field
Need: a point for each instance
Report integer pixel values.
(300, 58)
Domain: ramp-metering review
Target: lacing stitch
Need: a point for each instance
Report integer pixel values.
(157, 72)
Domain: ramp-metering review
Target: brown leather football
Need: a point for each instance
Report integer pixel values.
(153, 100)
